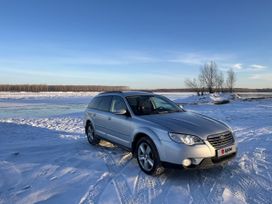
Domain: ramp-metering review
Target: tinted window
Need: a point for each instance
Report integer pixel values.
(117, 104)
(105, 103)
(101, 103)
(94, 103)
(148, 105)
(162, 103)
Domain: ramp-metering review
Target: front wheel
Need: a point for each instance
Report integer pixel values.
(92, 139)
(147, 157)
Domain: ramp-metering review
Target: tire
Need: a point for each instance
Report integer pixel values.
(148, 157)
(92, 139)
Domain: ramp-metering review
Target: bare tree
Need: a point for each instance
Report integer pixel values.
(194, 85)
(201, 85)
(219, 82)
(208, 76)
(231, 80)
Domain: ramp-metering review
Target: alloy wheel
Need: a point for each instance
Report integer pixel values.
(90, 133)
(145, 156)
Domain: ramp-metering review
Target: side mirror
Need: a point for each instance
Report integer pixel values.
(181, 106)
(120, 112)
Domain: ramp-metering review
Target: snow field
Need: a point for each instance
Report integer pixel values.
(46, 158)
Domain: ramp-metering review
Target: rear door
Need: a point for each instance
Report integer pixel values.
(100, 114)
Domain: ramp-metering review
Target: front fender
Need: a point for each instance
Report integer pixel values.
(152, 135)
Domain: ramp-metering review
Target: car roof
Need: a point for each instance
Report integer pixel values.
(125, 93)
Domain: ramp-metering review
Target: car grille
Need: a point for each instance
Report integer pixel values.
(221, 140)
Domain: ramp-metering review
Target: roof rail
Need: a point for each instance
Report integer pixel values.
(106, 92)
(147, 91)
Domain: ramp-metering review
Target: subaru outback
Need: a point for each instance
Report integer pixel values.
(158, 132)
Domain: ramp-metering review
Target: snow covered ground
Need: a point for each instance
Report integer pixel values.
(45, 157)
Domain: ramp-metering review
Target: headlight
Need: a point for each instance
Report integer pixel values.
(185, 139)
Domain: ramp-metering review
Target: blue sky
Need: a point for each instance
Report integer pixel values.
(142, 44)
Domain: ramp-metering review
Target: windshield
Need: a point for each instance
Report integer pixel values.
(151, 104)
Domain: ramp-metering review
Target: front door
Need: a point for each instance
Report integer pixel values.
(119, 126)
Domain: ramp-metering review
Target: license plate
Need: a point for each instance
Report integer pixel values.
(226, 151)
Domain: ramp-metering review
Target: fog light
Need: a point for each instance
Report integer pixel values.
(196, 161)
(186, 162)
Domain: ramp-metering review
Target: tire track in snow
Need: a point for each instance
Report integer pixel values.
(204, 186)
(114, 170)
(244, 185)
(95, 190)
(146, 187)
(123, 189)
(196, 188)
(10, 176)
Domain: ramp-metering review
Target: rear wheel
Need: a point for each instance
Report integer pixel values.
(148, 158)
(92, 139)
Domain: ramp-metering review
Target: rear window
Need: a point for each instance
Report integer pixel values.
(102, 103)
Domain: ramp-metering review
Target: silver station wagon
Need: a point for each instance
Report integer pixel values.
(158, 132)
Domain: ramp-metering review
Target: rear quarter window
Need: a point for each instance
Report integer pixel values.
(102, 103)
(105, 103)
(95, 103)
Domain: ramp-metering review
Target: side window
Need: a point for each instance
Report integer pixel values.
(162, 103)
(117, 104)
(105, 103)
(95, 103)
(133, 103)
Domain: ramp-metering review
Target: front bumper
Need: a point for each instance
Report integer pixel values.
(214, 161)
(201, 156)
(206, 163)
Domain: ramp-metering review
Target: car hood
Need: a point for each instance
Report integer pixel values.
(188, 122)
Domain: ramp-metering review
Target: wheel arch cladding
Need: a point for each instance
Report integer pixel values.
(150, 136)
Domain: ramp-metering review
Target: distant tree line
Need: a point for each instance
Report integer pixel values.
(211, 80)
(224, 90)
(45, 88)
(55, 88)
